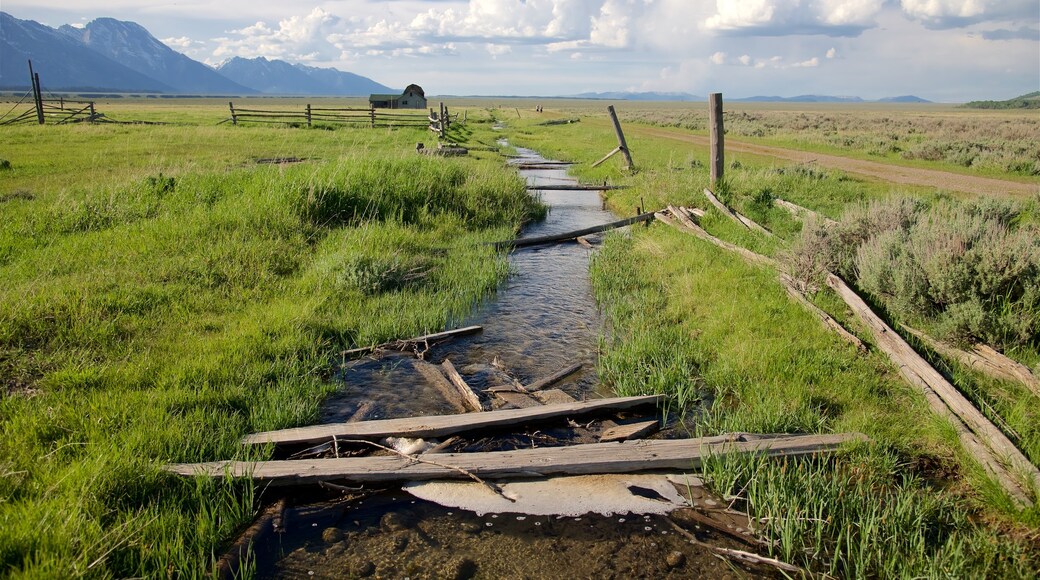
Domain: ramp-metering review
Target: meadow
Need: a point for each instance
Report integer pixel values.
(164, 294)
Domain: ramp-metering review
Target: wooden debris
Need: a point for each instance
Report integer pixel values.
(740, 555)
(626, 457)
(550, 239)
(554, 378)
(585, 243)
(629, 431)
(518, 400)
(558, 122)
(998, 455)
(733, 214)
(828, 321)
(402, 345)
(435, 377)
(578, 187)
(799, 211)
(471, 399)
(984, 359)
(443, 425)
(542, 165)
(693, 228)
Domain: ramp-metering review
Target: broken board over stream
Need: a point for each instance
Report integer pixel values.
(625, 457)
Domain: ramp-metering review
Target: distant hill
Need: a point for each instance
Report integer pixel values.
(903, 99)
(64, 63)
(131, 45)
(278, 77)
(645, 96)
(1027, 101)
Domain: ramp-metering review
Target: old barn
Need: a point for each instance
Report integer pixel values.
(413, 97)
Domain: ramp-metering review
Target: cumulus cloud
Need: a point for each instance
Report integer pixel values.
(831, 53)
(301, 38)
(957, 13)
(812, 62)
(788, 17)
(718, 58)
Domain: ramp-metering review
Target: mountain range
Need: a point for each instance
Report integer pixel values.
(117, 56)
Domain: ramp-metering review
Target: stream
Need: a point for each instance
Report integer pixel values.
(541, 319)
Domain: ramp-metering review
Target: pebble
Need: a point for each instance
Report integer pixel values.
(332, 535)
(675, 559)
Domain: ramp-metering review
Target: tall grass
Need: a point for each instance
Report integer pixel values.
(159, 314)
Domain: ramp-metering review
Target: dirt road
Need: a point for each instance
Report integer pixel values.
(883, 171)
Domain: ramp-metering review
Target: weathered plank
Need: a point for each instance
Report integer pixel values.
(468, 396)
(984, 359)
(827, 320)
(435, 377)
(405, 343)
(518, 400)
(579, 187)
(735, 215)
(998, 455)
(443, 425)
(554, 397)
(553, 238)
(554, 378)
(596, 458)
(627, 431)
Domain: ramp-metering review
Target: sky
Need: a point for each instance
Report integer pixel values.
(941, 50)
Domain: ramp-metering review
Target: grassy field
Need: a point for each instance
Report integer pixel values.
(164, 294)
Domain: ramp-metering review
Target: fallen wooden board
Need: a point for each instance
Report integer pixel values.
(403, 344)
(518, 400)
(734, 214)
(798, 211)
(983, 359)
(553, 238)
(576, 187)
(468, 396)
(626, 457)
(435, 377)
(442, 425)
(554, 378)
(628, 431)
(998, 455)
(553, 397)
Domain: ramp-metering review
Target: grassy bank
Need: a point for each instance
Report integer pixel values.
(164, 294)
(725, 341)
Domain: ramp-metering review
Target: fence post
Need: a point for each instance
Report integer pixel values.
(718, 149)
(622, 144)
(372, 111)
(234, 119)
(92, 111)
(308, 114)
(61, 103)
(34, 80)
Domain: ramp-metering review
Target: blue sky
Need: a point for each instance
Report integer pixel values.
(943, 50)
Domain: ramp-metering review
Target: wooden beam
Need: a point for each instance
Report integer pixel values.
(551, 239)
(717, 161)
(996, 452)
(442, 425)
(983, 359)
(403, 344)
(631, 430)
(735, 215)
(468, 396)
(799, 211)
(575, 187)
(435, 377)
(613, 152)
(596, 458)
(622, 144)
(554, 378)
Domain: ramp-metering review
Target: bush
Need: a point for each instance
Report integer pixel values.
(969, 267)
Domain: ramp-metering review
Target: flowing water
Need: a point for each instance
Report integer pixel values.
(543, 318)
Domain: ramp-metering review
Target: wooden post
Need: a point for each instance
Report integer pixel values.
(308, 114)
(34, 80)
(234, 119)
(92, 112)
(372, 112)
(622, 144)
(447, 118)
(61, 103)
(718, 149)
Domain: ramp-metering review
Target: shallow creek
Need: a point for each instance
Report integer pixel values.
(542, 318)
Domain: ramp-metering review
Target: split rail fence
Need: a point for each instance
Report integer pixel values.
(310, 116)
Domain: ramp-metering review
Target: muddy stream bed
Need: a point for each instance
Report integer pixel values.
(542, 319)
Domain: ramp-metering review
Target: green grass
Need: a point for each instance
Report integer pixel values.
(180, 296)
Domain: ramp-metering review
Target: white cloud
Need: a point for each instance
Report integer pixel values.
(301, 38)
(497, 50)
(181, 43)
(956, 13)
(832, 53)
(812, 62)
(744, 60)
(718, 58)
(787, 17)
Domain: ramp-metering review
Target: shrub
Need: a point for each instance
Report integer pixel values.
(969, 267)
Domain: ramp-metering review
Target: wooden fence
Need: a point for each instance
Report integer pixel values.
(52, 111)
(310, 116)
